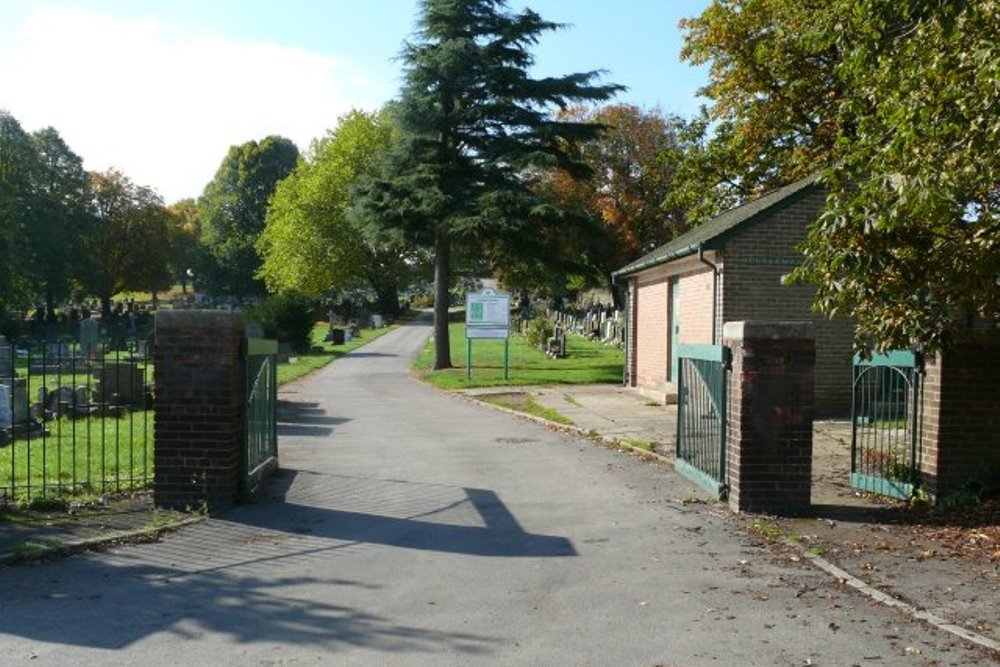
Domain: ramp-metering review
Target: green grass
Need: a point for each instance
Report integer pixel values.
(587, 362)
(636, 443)
(527, 404)
(304, 364)
(85, 456)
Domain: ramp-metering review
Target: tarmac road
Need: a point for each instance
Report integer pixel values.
(408, 527)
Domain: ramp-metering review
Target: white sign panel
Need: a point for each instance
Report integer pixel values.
(487, 309)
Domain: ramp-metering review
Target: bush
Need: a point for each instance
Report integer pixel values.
(538, 331)
(287, 317)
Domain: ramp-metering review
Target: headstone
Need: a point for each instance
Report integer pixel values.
(89, 338)
(6, 409)
(59, 401)
(6, 359)
(376, 321)
(20, 413)
(122, 379)
(81, 396)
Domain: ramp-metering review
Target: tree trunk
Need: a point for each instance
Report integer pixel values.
(442, 284)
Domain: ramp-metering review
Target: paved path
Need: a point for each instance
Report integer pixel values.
(409, 527)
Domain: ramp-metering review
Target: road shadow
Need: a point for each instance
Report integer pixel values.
(398, 514)
(305, 418)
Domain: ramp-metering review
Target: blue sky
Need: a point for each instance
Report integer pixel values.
(159, 89)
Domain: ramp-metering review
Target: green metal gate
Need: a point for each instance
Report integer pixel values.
(701, 415)
(885, 424)
(260, 453)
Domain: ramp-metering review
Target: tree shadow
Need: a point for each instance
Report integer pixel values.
(146, 599)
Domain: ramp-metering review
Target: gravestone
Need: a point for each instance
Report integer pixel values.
(19, 389)
(59, 401)
(376, 321)
(89, 338)
(6, 410)
(122, 379)
(6, 359)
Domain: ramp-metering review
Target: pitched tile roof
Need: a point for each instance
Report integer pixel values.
(715, 232)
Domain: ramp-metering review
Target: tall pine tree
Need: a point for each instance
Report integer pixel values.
(475, 131)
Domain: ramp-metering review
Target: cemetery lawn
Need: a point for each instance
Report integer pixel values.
(84, 456)
(303, 364)
(586, 362)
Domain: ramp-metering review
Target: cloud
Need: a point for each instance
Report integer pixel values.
(163, 103)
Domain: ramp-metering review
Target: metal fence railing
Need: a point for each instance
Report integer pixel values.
(75, 418)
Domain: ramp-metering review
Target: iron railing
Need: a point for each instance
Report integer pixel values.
(701, 414)
(74, 419)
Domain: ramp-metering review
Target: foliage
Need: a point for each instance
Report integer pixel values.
(232, 211)
(776, 95)
(60, 193)
(16, 157)
(633, 165)
(125, 244)
(310, 243)
(184, 230)
(538, 331)
(474, 130)
(288, 317)
(897, 101)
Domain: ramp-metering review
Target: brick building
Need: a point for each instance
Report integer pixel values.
(725, 270)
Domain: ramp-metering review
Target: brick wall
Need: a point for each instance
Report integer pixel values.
(695, 307)
(199, 408)
(753, 264)
(960, 429)
(651, 351)
(770, 416)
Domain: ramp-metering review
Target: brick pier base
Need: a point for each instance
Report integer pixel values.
(199, 408)
(770, 424)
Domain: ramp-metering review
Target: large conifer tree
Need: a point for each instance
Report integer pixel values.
(475, 128)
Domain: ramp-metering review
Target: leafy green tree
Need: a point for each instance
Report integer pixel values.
(896, 101)
(125, 246)
(60, 192)
(776, 97)
(633, 165)
(311, 244)
(910, 243)
(476, 131)
(17, 158)
(233, 208)
(184, 232)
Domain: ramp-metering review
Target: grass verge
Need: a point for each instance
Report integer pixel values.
(527, 404)
(586, 362)
(324, 352)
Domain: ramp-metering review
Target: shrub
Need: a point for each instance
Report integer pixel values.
(287, 317)
(538, 331)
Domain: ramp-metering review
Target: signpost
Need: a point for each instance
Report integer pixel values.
(487, 315)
